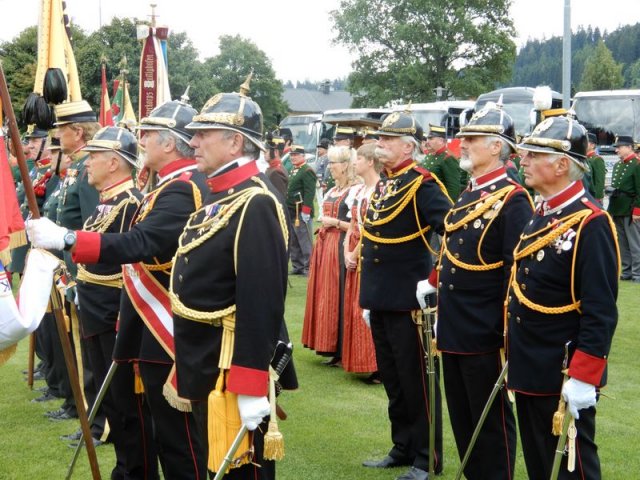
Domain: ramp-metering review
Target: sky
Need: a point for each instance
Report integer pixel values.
(297, 34)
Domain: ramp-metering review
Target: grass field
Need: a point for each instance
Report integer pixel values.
(335, 420)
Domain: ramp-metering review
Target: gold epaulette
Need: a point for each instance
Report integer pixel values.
(102, 224)
(114, 281)
(153, 196)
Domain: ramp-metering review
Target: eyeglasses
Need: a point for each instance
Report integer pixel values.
(339, 161)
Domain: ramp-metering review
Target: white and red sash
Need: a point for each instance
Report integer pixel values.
(151, 301)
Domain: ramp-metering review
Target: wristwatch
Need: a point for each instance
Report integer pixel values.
(69, 239)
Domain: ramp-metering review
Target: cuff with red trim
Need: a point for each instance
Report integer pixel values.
(587, 368)
(248, 381)
(635, 211)
(433, 277)
(306, 209)
(87, 249)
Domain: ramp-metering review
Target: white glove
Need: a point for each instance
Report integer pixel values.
(578, 395)
(305, 217)
(253, 410)
(424, 288)
(43, 233)
(366, 316)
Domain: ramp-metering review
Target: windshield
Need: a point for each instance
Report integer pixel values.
(520, 113)
(609, 116)
(302, 133)
(428, 117)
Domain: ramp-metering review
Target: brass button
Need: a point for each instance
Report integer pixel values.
(375, 247)
(523, 286)
(448, 239)
(453, 270)
(456, 255)
(376, 260)
(510, 298)
(526, 270)
(186, 260)
(518, 319)
(508, 314)
(450, 287)
(377, 234)
(180, 277)
(439, 284)
(465, 226)
(460, 241)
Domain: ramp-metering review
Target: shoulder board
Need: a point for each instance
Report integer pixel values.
(515, 184)
(426, 174)
(185, 176)
(595, 209)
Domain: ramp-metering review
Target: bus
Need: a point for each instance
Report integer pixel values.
(306, 130)
(608, 113)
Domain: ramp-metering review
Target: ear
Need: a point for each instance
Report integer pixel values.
(562, 166)
(169, 145)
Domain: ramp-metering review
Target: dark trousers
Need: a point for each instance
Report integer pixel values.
(468, 382)
(55, 370)
(300, 244)
(535, 415)
(264, 470)
(402, 369)
(179, 448)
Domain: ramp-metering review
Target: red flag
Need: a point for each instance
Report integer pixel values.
(12, 232)
(106, 119)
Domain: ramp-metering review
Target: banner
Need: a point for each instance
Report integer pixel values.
(106, 117)
(154, 79)
(12, 232)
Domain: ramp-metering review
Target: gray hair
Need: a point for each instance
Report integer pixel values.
(576, 172)
(417, 153)
(182, 147)
(249, 149)
(505, 148)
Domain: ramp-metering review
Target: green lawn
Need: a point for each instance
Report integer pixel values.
(335, 420)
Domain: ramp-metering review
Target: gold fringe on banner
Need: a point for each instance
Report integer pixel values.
(7, 353)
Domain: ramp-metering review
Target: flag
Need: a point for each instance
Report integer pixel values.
(121, 108)
(154, 79)
(12, 232)
(106, 118)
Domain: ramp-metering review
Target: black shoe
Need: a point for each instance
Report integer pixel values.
(96, 443)
(38, 375)
(45, 397)
(386, 462)
(75, 436)
(373, 379)
(625, 278)
(414, 474)
(61, 414)
(333, 362)
(42, 389)
(296, 272)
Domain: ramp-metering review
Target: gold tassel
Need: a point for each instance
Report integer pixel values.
(273, 439)
(17, 239)
(7, 353)
(558, 418)
(138, 386)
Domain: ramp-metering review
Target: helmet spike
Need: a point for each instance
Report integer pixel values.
(245, 88)
(185, 96)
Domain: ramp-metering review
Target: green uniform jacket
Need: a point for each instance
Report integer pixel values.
(302, 185)
(625, 179)
(598, 172)
(445, 166)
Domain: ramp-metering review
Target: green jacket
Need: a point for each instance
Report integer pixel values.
(302, 186)
(625, 179)
(446, 167)
(598, 172)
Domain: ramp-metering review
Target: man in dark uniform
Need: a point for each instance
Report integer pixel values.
(624, 206)
(561, 309)
(300, 194)
(598, 169)
(145, 333)
(276, 173)
(481, 231)
(229, 284)
(440, 162)
(402, 214)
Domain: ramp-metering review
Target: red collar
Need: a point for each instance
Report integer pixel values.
(629, 158)
(402, 165)
(441, 150)
(573, 190)
(43, 162)
(277, 163)
(233, 177)
(592, 153)
(490, 177)
(176, 165)
(112, 190)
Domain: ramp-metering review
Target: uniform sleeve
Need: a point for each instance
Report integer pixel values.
(451, 180)
(597, 289)
(260, 294)
(309, 194)
(598, 173)
(433, 205)
(515, 215)
(157, 234)
(636, 189)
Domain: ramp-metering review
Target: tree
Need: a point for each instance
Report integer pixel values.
(601, 72)
(229, 69)
(406, 48)
(19, 63)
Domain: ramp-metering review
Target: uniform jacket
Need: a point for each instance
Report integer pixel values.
(598, 173)
(152, 239)
(240, 269)
(394, 255)
(446, 167)
(99, 285)
(302, 185)
(476, 262)
(278, 176)
(542, 316)
(625, 178)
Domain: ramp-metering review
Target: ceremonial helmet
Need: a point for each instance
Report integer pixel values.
(559, 135)
(436, 131)
(173, 115)
(74, 112)
(344, 133)
(34, 132)
(232, 111)
(491, 120)
(116, 139)
(400, 124)
(622, 140)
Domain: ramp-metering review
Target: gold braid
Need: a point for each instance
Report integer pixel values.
(402, 203)
(488, 203)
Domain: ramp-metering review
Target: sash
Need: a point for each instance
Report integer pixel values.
(151, 301)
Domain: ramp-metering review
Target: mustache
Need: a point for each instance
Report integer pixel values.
(381, 152)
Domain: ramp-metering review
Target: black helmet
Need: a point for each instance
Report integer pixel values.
(559, 135)
(491, 120)
(400, 124)
(34, 132)
(116, 139)
(232, 111)
(174, 115)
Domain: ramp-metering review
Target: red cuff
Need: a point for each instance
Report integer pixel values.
(433, 278)
(587, 368)
(636, 211)
(248, 381)
(306, 209)
(87, 249)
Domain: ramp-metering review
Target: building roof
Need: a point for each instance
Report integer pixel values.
(301, 100)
